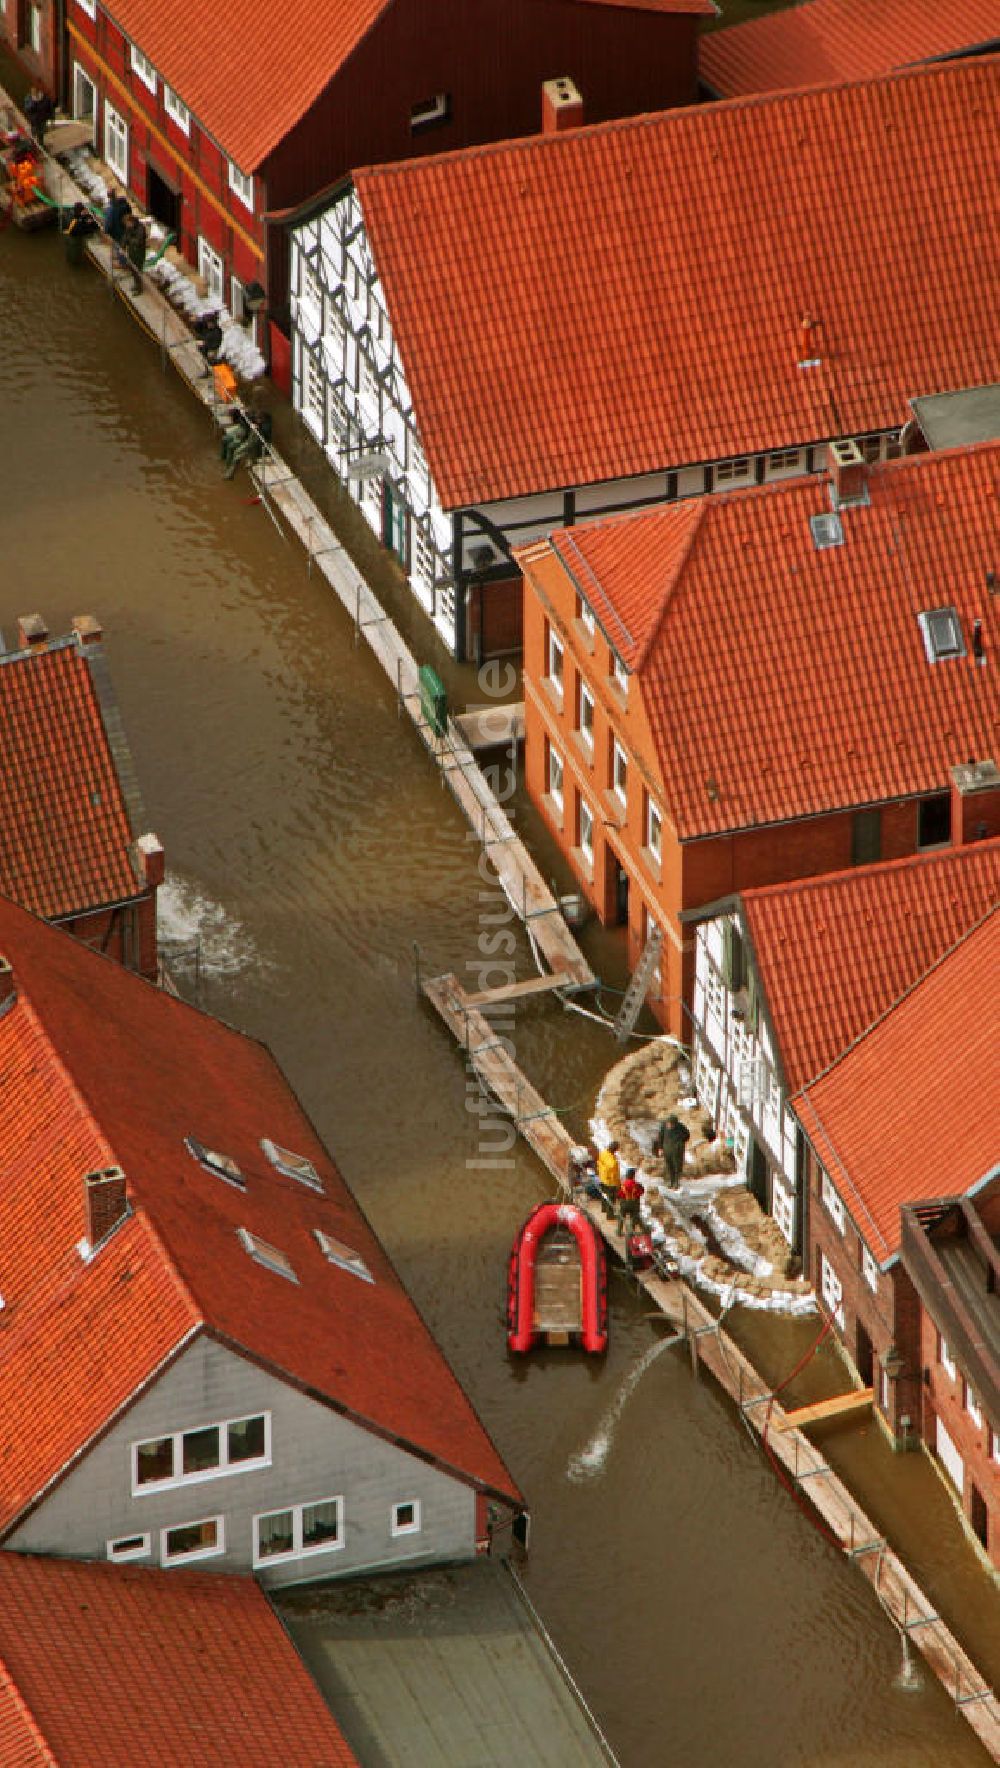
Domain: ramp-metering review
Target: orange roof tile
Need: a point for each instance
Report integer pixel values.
(68, 805)
(824, 40)
(834, 953)
(649, 311)
(124, 1664)
(98, 1068)
(757, 681)
(868, 1117)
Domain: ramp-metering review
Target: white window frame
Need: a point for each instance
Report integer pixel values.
(555, 663)
(241, 185)
(225, 1468)
(733, 472)
(947, 1361)
(213, 269)
(82, 78)
(116, 141)
(141, 1552)
(168, 1558)
(141, 65)
(34, 27)
(832, 1203)
(292, 1165)
(869, 1269)
(585, 718)
(619, 773)
(176, 109)
(89, 7)
(339, 1253)
(586, 617)
(297, 1550)
(783, 1210)
(620, 676)
(832, 1290)
(654, 831)
(554, 764)
(586, 830)
(430, 110)
(396, 1527)
(973, 1408)
(270, 1258)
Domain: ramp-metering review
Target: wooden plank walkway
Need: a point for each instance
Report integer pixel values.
(836, 1407)
(492, 727)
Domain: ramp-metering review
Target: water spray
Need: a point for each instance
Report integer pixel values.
(591, 1460)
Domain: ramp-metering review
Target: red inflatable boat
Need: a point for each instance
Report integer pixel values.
(557, 1287)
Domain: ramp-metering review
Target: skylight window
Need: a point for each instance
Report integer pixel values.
(827, 530)
(344, 1256)
(941, 630)
(294, 1166)
(265, 1254)
(222, 1165)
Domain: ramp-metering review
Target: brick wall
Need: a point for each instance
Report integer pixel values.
(944, 1398)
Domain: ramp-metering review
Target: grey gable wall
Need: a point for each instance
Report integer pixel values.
(315, 1454)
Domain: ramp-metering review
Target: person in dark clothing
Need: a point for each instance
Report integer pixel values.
(208, 331)
(116, 211)
(245, 438)
(671, 1141)
(79, 228)
(135, 240)
(39, 110)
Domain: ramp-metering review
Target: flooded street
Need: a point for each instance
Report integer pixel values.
(309, 845)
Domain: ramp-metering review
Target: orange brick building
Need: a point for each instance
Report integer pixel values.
(767, 685)
(74, 843)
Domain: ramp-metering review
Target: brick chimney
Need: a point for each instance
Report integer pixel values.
(562, 106)
(975, 802)
(88, 629)
(8, 988)
(31, 630)
(151, 860)
(848, 472)
(107, 1203)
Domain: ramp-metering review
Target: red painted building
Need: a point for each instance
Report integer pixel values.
(30, 29)
(741, 690)
(222, 120)
(74, 845)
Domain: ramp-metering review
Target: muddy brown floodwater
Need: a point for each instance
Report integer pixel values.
(309, 844)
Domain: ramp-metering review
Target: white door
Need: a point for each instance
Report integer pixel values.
(85, 100)
(949, 1456)
(116, 142)
(211, 267)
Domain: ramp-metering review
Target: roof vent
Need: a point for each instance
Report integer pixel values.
(344, 1256)
(941, 630)
(848, 471)
(826, 531)
(107, 1204)
(265, 1254)
(294, 1166)
(31, 631)
(222, 1165)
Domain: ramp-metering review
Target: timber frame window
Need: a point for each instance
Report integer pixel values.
(89, 7)
(241, 185)
(142, 66)
(116, 142)
(832, 1204)
(210, 1451)
(193, 1540)
(831, 1289)
(211, 267)
(298, 1530)
(176, 111)
(869, 1269)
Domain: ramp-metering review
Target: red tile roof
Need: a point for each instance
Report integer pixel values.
(68, 805)
(757, 682)
(122, 1665)
(823, 40)
(656, 273)
(99, 1068)
(834, 953)
(911, 1111)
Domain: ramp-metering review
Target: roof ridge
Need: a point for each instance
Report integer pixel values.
(47, 649)
(7, 1677)
(678, 115)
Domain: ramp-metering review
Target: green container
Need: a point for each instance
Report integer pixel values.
(433, 700)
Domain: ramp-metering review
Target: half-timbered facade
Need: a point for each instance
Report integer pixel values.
(554, 374)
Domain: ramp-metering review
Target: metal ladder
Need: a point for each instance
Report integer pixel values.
(635, 994)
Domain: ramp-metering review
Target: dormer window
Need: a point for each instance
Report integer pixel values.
(263, 1253)
(294, 1166)
(344, 1256)
(941, 630)
(222, 1165)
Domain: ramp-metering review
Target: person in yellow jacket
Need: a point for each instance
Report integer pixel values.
(609, 1177)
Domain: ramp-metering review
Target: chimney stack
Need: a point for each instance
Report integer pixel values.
(31, 631)
(562, 106)
(8, 989)
(808, 344)
(848, 471)
(107, 1203)
(975, 802)
(88, 629)
(151, 860)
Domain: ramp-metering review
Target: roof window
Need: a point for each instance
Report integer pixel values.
(827, 530)
(267, 1255)
(294, 1166)
(941, 630)
(344, 1256)
(222, 1165)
